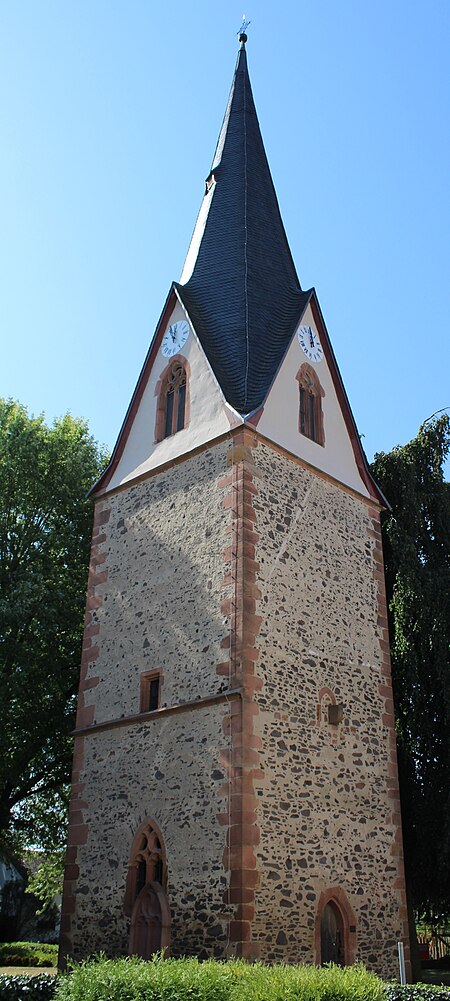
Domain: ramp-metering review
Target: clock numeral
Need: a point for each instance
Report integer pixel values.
(175, 336)
(310, 344)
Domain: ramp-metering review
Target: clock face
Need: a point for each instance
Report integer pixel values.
(310, 344)
(175, 336)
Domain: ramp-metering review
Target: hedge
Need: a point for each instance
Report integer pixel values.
(418, 992)
(28, 954)
(25, 988)
(189, 980)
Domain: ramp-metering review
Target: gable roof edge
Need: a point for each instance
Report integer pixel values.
(250, 417)
(179, 293)
(117, 452)
(355, 440)
(174, 296)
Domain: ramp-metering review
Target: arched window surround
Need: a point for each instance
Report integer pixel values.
(310, 412)
(337, 896)
(324, 698)
(327, 709)
(145, 850)
(178, 362)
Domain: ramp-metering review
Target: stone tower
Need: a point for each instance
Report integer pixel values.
(235, 778)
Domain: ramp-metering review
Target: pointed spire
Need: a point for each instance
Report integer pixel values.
(239, 282)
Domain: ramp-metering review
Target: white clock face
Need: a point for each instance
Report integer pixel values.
(310, 344)
(175, 336)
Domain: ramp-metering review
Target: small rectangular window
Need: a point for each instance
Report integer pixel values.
(150, 691)
(153, 696)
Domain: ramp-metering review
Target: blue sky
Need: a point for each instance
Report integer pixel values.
(109, 115)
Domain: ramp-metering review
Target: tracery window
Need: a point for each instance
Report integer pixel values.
(310, 414)
(146, 901)
(174, 396)
(147, 864)
(172, 391)
(149, 860)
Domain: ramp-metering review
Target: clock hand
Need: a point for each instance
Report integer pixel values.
(311, 337)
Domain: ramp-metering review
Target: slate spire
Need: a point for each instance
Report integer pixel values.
(239, 283)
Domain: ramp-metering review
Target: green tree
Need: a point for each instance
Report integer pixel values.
(45, 528)
(46, 880)
(417, 559)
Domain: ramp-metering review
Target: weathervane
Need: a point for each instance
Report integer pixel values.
(243, 29)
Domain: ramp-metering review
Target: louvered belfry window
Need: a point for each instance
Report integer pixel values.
(310, 415)
(307, 412)
(175, 400)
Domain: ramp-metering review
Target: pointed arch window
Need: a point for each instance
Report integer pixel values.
(147, 863)
(173, 399)
(310, 413)
(149, 859)
(146, 901)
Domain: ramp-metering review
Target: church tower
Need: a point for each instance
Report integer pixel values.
(235, 784)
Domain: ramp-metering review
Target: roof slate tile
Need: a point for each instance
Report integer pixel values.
(243, 296)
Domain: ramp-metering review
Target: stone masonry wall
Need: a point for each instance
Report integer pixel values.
(166, 769)
(162, 597)
(156, 600)
(328, 802)
(238, 570)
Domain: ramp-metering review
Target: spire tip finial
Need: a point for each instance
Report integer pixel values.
(242, 33)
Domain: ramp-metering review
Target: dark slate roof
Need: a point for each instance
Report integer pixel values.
(243, 296)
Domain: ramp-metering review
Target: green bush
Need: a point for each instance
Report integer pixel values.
(188, 980)
(23, 988)
(28, 954)
(304, 983)
(154, 980)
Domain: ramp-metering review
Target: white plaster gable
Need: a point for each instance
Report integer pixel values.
(208, 416)
(279, 420)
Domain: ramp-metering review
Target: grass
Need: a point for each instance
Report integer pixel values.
(28, 971)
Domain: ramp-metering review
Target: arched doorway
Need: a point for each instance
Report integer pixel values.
(335, 928)
(146, 900)
(332, 935)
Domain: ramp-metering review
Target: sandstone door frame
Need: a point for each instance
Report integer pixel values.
(151, 912)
